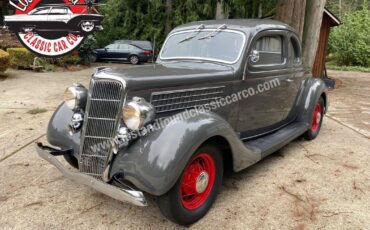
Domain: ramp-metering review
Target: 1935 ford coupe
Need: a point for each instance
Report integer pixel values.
(222, 94)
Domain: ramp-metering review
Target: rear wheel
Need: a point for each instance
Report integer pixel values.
(317, 118)
(196, 190)
(134, 60)
(87, 26)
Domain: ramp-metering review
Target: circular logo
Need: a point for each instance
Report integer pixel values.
(53, 28)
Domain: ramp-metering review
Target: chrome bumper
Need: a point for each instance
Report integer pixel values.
(130, 196)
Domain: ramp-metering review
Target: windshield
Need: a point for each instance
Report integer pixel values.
(223, 46)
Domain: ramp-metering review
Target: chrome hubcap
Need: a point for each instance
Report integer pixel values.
(87, 26)
(202, 182)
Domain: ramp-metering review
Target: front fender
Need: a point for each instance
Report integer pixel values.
(314, 88)
(58, 131)
(155, 162)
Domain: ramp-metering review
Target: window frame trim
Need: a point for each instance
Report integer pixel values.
(206, 59)
(250, 68)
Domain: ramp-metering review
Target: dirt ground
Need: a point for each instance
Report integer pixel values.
(324, 184)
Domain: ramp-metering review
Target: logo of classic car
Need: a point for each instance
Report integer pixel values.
(53, 28)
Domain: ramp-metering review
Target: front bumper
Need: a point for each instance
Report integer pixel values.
(124, 195)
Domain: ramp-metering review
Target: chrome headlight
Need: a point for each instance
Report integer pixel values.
(75, 97)
(137, 113)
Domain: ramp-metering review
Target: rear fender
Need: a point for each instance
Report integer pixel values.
(155, 162)
(314, 88)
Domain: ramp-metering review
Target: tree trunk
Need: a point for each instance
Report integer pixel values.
(311, 36)
(221, 10)
(169, 8)
(305, 16)
(260, 13)
(293, 13)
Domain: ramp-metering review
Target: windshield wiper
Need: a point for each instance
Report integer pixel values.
(199, 29)
(214, 33)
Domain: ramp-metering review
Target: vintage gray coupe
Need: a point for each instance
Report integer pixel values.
(222, 95)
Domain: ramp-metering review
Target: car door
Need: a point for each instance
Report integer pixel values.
(298, 73)
(38, 15)
(267, 80)
(111, 52)
(124, 51)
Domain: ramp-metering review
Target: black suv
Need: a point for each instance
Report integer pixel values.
(125, 50)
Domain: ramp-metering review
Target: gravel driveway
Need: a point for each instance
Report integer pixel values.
(307, 185)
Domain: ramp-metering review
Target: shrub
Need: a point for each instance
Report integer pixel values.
(351, 41)
(86, 49)
(20, 57)
(4, 60)
(71, 59)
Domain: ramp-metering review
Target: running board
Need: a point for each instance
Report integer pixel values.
(271, 143)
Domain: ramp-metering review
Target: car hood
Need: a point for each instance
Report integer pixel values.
(170, 74)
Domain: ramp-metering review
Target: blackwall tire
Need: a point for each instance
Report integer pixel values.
(318, 117)
(134, 60)
(196, 190)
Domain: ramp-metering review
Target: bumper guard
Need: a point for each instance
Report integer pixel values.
(124, 195)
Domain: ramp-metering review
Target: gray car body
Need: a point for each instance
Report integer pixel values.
(153, 163)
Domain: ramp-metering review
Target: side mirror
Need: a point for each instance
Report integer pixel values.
(106, 49)
(255, 56)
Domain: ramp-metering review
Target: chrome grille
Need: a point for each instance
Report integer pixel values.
(185, 99)
(102, 113)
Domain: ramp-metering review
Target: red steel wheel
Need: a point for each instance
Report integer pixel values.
(197, 181)
(196, 188)
(317, 115)
(317, 119)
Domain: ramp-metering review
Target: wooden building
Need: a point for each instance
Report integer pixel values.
(329, 20)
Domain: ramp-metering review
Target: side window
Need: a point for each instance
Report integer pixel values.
(268, 50)
(124, 47)
(58, 11)
(295, 53)
(112, 46)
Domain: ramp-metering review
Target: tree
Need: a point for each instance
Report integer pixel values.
(293, 13)
(350, 43)
(312, 28)
(222, 11)
(306, 17)
(168, 17)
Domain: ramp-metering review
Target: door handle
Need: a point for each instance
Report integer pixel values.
(289, 80)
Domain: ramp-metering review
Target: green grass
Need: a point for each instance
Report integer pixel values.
(36, 111)
(349, 68)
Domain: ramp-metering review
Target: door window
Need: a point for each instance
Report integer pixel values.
(268, 50)
(295, 53)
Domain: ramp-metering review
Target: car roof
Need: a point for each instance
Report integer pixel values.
(239, 24)
(147, 45)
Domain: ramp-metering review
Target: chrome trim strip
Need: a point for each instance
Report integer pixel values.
(124, 195)
(202, 58)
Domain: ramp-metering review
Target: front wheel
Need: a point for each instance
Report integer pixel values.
(317, 118)
(196, 190)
